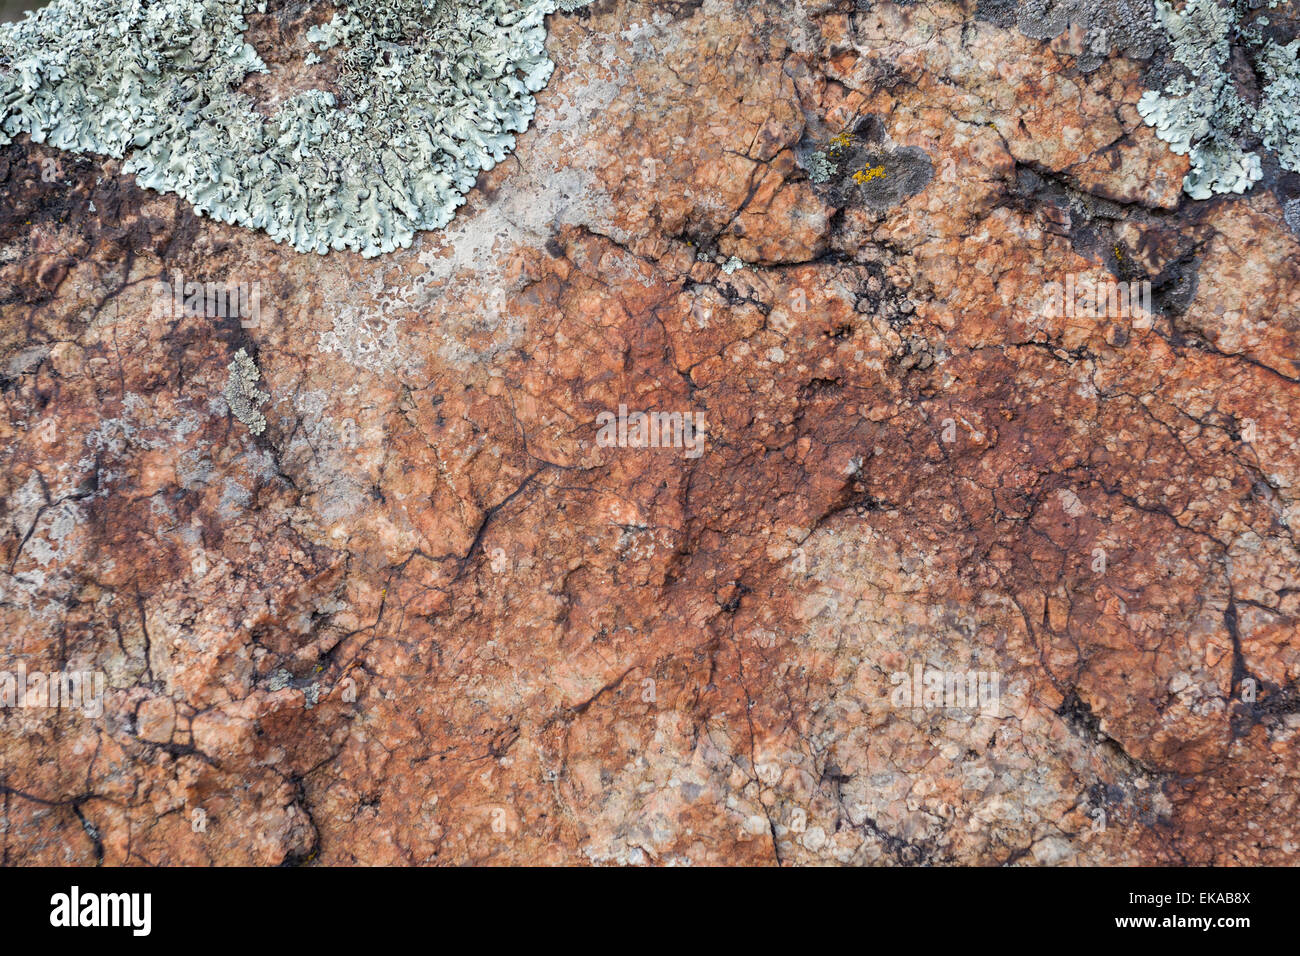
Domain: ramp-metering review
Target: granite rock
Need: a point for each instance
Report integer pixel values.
(430, 615)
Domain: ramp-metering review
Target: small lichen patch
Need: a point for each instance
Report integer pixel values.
(885, 179)
(242, 394)
(867, 173)
(840, 143)
(430, 94)
(820, 167)
(867, 167)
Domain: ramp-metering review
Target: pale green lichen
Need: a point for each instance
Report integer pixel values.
(1202, 113)
(1277, 120)
(820, 167)
(242, 394)
(432, 92)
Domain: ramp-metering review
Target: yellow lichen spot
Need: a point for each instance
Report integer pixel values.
(868, 173)
(840, 143)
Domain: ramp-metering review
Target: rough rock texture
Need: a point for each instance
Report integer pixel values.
(426, 617)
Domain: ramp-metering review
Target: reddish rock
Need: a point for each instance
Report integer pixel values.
(427, 617)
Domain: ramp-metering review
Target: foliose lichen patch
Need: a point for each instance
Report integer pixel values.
(1203, 112)
(431, 93)
(242, 394)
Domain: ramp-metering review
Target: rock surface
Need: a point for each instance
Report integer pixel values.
(427, 617)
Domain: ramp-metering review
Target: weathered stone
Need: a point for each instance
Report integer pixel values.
(426, 616)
